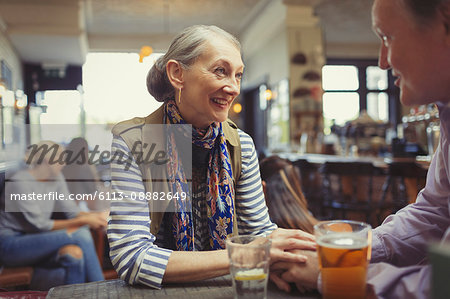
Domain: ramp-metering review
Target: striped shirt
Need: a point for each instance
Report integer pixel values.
(134, 254)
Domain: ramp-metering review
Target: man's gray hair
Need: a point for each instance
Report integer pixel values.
(424, 10)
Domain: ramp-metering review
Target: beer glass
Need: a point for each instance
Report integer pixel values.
(344, 250)
(249, 265)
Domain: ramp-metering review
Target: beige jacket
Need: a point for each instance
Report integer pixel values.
(136, 132)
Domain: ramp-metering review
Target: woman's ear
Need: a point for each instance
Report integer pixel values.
(175, 73)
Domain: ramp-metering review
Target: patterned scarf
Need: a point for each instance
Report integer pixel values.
(219, 184)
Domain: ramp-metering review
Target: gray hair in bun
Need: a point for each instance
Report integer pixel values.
(185, 48)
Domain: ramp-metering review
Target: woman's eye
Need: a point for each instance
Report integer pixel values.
(219, 71)
(239, 76)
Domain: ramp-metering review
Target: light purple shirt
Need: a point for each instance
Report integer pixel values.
(399, 268)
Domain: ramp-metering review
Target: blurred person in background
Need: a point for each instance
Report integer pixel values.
(81, 176)
(30, 237)
(415, 45)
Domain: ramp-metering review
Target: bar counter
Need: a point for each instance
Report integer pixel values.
(381, 162)
(394, 179)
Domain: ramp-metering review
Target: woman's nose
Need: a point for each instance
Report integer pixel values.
(233, 87)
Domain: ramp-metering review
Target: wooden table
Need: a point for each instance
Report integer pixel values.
(219, 287)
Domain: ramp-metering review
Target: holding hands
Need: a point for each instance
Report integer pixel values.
(293, 259)
(304, 275)
(286, 240)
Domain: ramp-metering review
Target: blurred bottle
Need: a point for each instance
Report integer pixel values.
(433, 134)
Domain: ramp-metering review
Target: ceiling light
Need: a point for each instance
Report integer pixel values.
(237, 108)
(145, 51)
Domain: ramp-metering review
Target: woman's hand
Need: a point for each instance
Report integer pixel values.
(284, 241)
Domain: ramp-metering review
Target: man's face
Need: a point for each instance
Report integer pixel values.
(418, 54)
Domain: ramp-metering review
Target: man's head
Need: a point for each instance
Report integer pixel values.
(415, 44)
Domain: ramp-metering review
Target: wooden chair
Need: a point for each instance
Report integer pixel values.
(348, 187)
(287, 205)
(404, 181)
(311, 184)
(12, 278)
(99, 237)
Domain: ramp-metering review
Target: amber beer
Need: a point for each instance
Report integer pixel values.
(344, 254)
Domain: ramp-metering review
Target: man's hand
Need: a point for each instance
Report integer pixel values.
(304, 275)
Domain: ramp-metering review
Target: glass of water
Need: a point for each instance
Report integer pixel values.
(249, 265)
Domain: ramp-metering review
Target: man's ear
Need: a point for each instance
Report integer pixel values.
(175, 73)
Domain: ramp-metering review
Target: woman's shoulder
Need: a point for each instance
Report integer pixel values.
(156, 117)
(248, 151)
(246, 140)
(127, 125)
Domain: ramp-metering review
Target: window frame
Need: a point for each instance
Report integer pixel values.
(392, 91)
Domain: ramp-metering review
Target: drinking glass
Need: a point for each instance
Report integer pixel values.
(249, 265)
(344, 250)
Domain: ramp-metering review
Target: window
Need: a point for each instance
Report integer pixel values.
(377, 98)
(278, 117)
(61, 120)
(351, 86)
(340, 100)
(115, 87)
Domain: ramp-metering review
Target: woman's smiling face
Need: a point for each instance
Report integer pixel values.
(211, 83)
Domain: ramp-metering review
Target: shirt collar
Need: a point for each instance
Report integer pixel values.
(442, 105)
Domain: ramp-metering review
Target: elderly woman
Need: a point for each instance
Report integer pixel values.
(30, 237)
(415, 45)
(197, 80)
